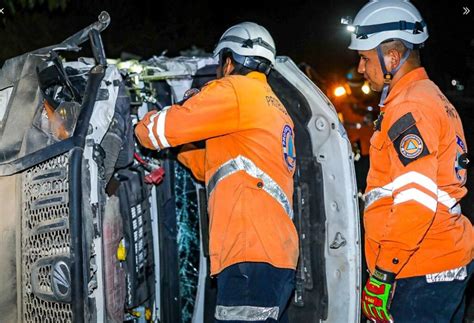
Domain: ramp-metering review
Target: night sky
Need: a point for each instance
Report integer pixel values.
(306, 31)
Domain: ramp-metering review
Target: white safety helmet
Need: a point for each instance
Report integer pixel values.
(248, 39)
(381, 20)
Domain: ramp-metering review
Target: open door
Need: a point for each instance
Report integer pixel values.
(325, 203)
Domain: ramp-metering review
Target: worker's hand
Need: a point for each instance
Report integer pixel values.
(377, 296)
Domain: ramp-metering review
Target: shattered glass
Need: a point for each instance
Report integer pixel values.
(187, 219)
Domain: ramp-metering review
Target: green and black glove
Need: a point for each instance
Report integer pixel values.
(377, 296)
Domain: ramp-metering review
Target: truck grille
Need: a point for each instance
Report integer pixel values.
(45, 242)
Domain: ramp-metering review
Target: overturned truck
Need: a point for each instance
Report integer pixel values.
(94, 228)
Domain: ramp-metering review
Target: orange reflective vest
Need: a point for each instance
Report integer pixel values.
(248, 165)
(413, 221)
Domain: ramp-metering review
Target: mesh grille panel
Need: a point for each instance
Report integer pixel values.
(45, 278)
(141, 253)
(45, 235)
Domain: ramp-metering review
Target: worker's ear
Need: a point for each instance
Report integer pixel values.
(228, 67)
(392, 59)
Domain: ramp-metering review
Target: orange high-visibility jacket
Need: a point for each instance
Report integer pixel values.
(248, 165)
(413, 221)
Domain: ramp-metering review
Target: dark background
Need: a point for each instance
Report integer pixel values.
(304, 30)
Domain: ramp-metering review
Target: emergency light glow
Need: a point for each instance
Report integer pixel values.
(339, 91)
(365, 88)
(351, 28)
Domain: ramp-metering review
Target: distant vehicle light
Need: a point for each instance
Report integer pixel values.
(366, 88)
(339, 91)
(457, 84)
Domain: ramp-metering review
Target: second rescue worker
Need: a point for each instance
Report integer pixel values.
(418, 244)
(248, 165)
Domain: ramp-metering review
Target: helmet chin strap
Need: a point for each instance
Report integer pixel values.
(388, 76)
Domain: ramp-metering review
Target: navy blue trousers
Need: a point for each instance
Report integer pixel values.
(253, 292)
(416, 300)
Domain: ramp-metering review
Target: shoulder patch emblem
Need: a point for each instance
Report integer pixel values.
(411, 146)
(401, 125)
(288, 145)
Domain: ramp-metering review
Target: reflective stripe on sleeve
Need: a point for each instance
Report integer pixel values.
(151, 134)
(414, 194)
(445, 199)
(375, 195)
(160, 128)
(411, 178)
(416, 178)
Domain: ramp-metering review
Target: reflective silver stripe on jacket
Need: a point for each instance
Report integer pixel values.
(456, 209)
(381, 192)
(375, 195)
(242, 163)
(246, 313)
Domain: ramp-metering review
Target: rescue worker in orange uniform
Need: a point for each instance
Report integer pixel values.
(356, 106)
(419, 246)
(247, 165)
